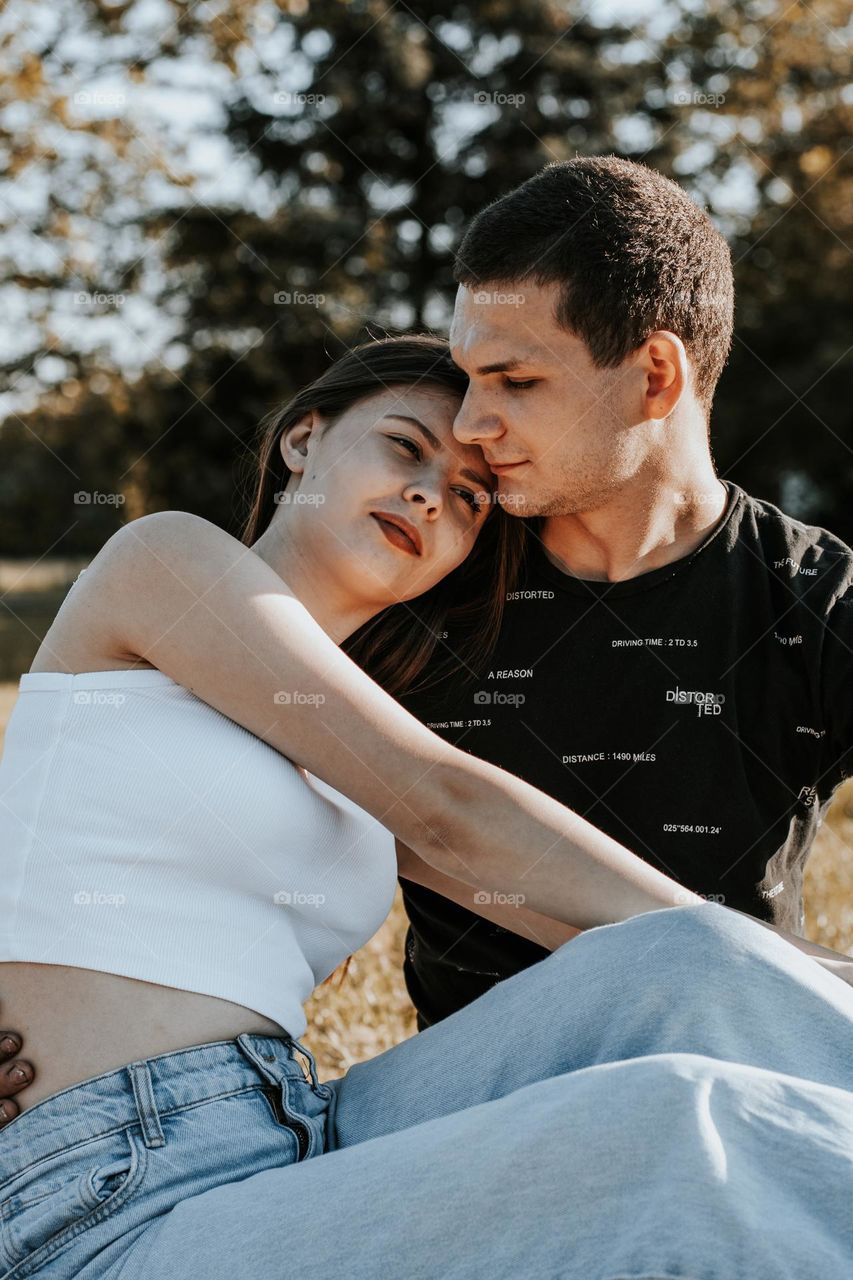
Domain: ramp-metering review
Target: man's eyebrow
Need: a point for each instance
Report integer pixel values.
(505, 366)
(436, 444)
(500, 366)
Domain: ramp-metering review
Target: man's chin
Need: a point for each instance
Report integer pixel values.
(514, 502)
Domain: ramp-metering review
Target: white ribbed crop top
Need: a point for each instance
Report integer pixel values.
(146, 834)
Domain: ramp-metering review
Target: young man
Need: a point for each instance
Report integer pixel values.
(677, 663)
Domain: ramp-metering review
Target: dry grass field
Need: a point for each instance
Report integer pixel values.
(369, 1011)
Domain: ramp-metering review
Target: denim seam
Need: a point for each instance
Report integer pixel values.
(6, 1210)
(119, 1071)
(214, 1097)
(653, 1275)
(35, 1260)
(75, 1146)
(130, 1124)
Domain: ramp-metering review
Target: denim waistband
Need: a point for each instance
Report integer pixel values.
(143, 1091)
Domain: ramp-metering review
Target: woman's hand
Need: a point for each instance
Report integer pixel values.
(10, 1080)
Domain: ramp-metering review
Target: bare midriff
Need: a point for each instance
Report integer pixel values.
(77, 1023)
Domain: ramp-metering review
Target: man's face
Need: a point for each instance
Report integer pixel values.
(536, 399)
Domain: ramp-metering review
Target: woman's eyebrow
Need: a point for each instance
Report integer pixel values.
(436, 444)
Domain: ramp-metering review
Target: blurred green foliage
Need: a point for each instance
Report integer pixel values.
(370, 134)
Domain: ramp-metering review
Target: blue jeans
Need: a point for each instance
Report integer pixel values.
(665, 1097)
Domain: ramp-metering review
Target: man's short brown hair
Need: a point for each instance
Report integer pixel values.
(630, 250)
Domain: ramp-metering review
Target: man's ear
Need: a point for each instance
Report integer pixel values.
(664, 362)
(294, 440)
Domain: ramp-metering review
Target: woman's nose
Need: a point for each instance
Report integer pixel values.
(425, 494)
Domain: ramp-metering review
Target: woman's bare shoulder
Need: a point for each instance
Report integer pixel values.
(84, 636)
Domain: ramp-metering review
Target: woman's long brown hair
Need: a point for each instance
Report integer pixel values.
(395, 646)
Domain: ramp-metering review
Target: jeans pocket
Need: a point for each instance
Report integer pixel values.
(50, 1203)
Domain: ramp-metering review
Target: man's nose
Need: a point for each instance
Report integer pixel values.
(473, 423)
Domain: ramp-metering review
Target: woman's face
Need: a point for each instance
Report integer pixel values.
(377, 459)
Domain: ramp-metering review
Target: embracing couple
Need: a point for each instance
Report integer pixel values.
(496, 627)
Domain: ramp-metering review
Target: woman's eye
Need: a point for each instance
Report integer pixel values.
(520, 385)
(410, 444)
(473, 504)
(469, 497)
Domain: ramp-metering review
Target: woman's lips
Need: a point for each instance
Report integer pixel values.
(396, 536)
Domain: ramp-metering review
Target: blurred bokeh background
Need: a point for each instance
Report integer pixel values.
(201, 203)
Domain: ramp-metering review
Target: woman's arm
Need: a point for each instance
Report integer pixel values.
(550, 933)
(185, 596)
(486, 902)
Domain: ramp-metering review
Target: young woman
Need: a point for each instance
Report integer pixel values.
(206, 787)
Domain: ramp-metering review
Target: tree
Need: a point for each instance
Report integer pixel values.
(355, 142)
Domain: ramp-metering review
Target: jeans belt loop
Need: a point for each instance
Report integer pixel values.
(143, 1092)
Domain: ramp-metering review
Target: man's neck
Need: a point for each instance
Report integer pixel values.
(636, 531)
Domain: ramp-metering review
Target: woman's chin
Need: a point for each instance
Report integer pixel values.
(407, 583)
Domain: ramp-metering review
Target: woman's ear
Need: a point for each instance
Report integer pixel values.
(294, 441)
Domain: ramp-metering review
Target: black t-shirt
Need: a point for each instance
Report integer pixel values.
(701, 714)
